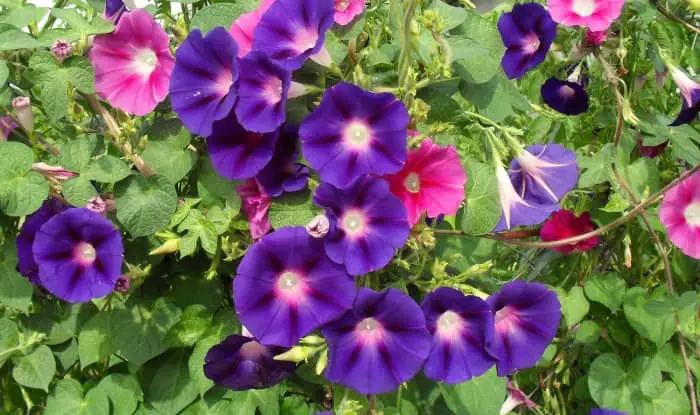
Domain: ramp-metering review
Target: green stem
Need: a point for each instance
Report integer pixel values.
(50, 21)
(406, 48)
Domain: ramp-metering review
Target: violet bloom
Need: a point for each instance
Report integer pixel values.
(79, 254)
(114, 10)
(240, 363)
(544, 173)
(527, 32)
(287, 287)
(515, 398)
(292, 30)
(7, 126)
(379, 344)
(565, 97)
(517, 210)
(283, 173)
(202, 84)
(601, 411)
(461, 326)
(367, 224)
(527, 316)
(27, 265)
(238, 154)
(355, 132)
(690, 92)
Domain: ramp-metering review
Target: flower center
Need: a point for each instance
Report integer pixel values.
(369, 330)
(531, 43)
(85, 253)
(584, 8)
(290, 286)
(341, 5)
(354, 223)
(253, 351)
(504, 318)
(288, 280)
(273, 91)
(692, 213)
(449, 324)
(412, 183)
(357, 135)
(224, 82)
(145, 62)
(567, 92)
(305, 40)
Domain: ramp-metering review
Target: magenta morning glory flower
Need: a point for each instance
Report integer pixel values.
(355, 132)
(79, 254)
(526, 319)
(27, 265)
(544, 173)
(238, 154)
(379, 344)
(690, 92)
(286, 287)
(461, 326)
(565, 97)
(367, 224)
(202, 85)
(292, 30)
(240, 363)
(517, 210)
(680, 215)
(284, 173)
(263, 86)
(527, 32)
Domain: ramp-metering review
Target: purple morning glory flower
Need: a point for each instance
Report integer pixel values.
(202, 83)
(27, 265)
(283, 173)
(355, 132)
(544, 173)
(565, 97)
(379, 344)
(601, 411)
(238, 154)
(526, 319)
(79, 254)
(263, 86)
(287, 287)
(517, 210)
(367, 224)
(461, 326)
(690, 92)
(240, 363)
(527, 32)
(114, 10)
(292, 30)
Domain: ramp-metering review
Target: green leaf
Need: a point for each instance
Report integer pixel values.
(80, 26)
(451, 16)
(265, 401)
(477, 48)
(166, 151)
(195, 321)
(598, 169)
(574, 306)
(292, 209)
(11, 38)
(9, 339)
(588, 332)
(145, 205)
(23, 16)
(483, 209)
(78, 190)
(607, 384)
(123, 392)
(195, 363)
(221, 14)
(76, 154)
(496, 98)
(173, 388)
(480, 396)
(657, 328)
(107, 169)
(60, 322)
(4, 72)
(214, 190)
(94, 341)
(67, 399)
(22, 191)
(204, 229)
(15, 291)
(608, 290)
(36, 369)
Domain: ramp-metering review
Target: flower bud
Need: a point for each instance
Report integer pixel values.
(596, 38)
(23, 111)
(61, 50)
(318, 227)
(170, 246)
(56, 172)
(97, 205)
(123, 284)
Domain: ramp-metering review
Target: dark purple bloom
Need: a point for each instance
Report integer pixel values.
(527, 32)
(601, 411)
(379, 344)
(355, 132)
(283, 173)
(461, 326)
(526, 319)
(202, 85)
(27, 265)
(263, 86)
(650, 151)
(79, 254)
(367, 224)
(544, 173)
(517, 210)
(239, 154)
(7, 126)
(292, 30)
(287, 287)
(566, 97)
(241, 363)
(690, 92)
(114, 10)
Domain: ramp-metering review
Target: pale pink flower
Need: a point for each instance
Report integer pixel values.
(56, 172)
(516, 397)
(680, 215)
(431, 181)
(243, 28)
(346, 10)
(596, 15)
(133, 64)
(61, 50)
(318, 227)
(255, 203)
(23, 112)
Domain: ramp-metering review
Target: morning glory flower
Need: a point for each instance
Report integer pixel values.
(114, 9)
(596, 15)
(347, 10)
(544, 173)
(680, 215)
(565, 224)
(284, 173)
(601, 411)
(566, 97)
(690, 92)
(527, 32)
(517, 210)
(243, 29)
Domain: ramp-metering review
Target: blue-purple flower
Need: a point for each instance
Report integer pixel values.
(292, 30)
(566, 97)
(202, 85)
(241, 362)
(238, 154)
(461, 327)
(287, 287)
(114, 10)
(527, 32)
(79, 255)
(284, 173)
(354, 132)
(367, 224)
(690, 92)
(601, 411)
(517, 210)
(379, 344)
(526, 319)
(263, 86)
(544, 173)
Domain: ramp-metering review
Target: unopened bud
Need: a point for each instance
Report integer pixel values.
(97, 205)
(56, 172)
(23, 112)
(298, 354)
(62, 50)
(318, 227)
(170, 246)
(596, 38)
(123, 284)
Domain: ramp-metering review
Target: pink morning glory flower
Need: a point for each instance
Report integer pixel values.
(347, 10)
(680, 215)
(596, 15)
